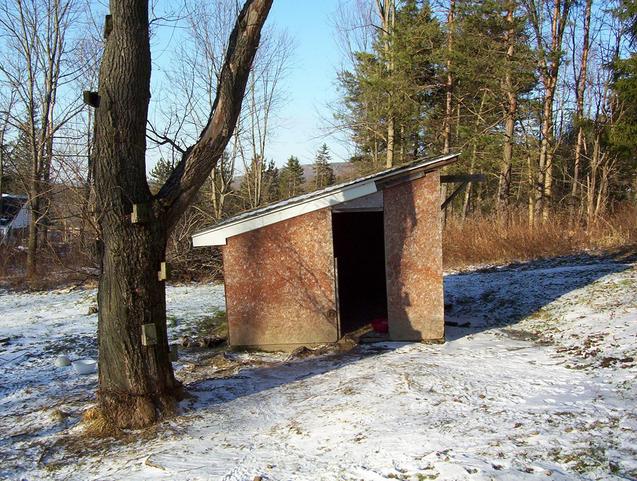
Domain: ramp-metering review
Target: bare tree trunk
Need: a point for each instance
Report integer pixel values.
(550, 59)
(600, 206)
(136, 382)
(504, 185)
(387, 13)
(474, 153)
(466, 205)
(449, 85)
(390, 143)
(401, 154)
(531, 183)
(3, 131)
(592, 182)
(87, 185)
(1, 168)
(579, 114)
(545, 162)
(34, 206)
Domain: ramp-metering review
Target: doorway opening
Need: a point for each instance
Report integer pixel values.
(359, 250)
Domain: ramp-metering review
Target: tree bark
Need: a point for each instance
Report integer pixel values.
(550, 59)
(449, 85)
(545, 164)
(3, 130)
(579, 114)
(387, 13)
(136, 382)
(504, 185)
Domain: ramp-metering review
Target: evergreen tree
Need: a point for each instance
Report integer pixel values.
(323, 173)
(623, 131)
(271, 192)
(17, 169)
(396, 83)
(291, 178)
(160, 173)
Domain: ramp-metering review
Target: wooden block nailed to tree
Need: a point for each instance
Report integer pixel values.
(164, 271)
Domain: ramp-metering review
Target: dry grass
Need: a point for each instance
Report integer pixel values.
(481, 240)
(97, 425)
(60, 265)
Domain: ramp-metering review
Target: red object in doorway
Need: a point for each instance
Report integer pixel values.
(380, 325)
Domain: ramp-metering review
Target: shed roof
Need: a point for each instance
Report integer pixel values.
(330, 196)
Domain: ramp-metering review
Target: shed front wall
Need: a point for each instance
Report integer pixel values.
(280, 287)
(413, 259)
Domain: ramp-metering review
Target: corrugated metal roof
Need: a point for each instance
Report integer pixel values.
(332, 195)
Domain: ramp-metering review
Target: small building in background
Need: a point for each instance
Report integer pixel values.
(15, 216)
(310, 269)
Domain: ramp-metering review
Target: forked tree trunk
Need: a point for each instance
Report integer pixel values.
(136, 382)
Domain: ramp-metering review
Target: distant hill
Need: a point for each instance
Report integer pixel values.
(342, 170)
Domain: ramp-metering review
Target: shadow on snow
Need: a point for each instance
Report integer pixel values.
(486, 299)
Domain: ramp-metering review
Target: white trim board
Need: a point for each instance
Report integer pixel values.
(217, 235)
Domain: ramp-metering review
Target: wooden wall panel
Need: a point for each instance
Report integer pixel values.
(413, 259)
(280, 287)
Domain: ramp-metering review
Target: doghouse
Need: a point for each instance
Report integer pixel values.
(312, 268)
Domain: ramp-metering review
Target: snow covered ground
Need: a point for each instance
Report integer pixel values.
(540, 386)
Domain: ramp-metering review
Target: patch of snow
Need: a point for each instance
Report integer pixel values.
(540, 386)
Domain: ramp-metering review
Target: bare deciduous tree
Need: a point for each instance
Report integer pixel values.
(555, 13)
(136, 382)
(36, 66)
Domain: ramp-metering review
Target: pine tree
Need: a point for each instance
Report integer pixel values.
(160, 173)
(323, 173)
(291, 178)
(391, 109)
(271, 192)
(623, 133)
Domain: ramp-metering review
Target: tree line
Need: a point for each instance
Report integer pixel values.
(537, 94)
(50, 52)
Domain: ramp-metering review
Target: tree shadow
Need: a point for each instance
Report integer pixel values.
(487, 299)
(499, 297)
(264, 376)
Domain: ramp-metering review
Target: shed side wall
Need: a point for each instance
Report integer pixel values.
(413, 257)
(280, 287)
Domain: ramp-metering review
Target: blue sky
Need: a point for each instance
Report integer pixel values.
(310, 84)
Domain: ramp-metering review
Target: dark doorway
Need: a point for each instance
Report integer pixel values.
(359, 248)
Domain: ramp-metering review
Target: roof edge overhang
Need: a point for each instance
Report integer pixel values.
(217, 235)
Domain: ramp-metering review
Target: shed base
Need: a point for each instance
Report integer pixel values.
(294, 347)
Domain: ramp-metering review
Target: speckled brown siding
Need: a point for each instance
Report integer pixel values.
(280, 283)
(413, 257)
